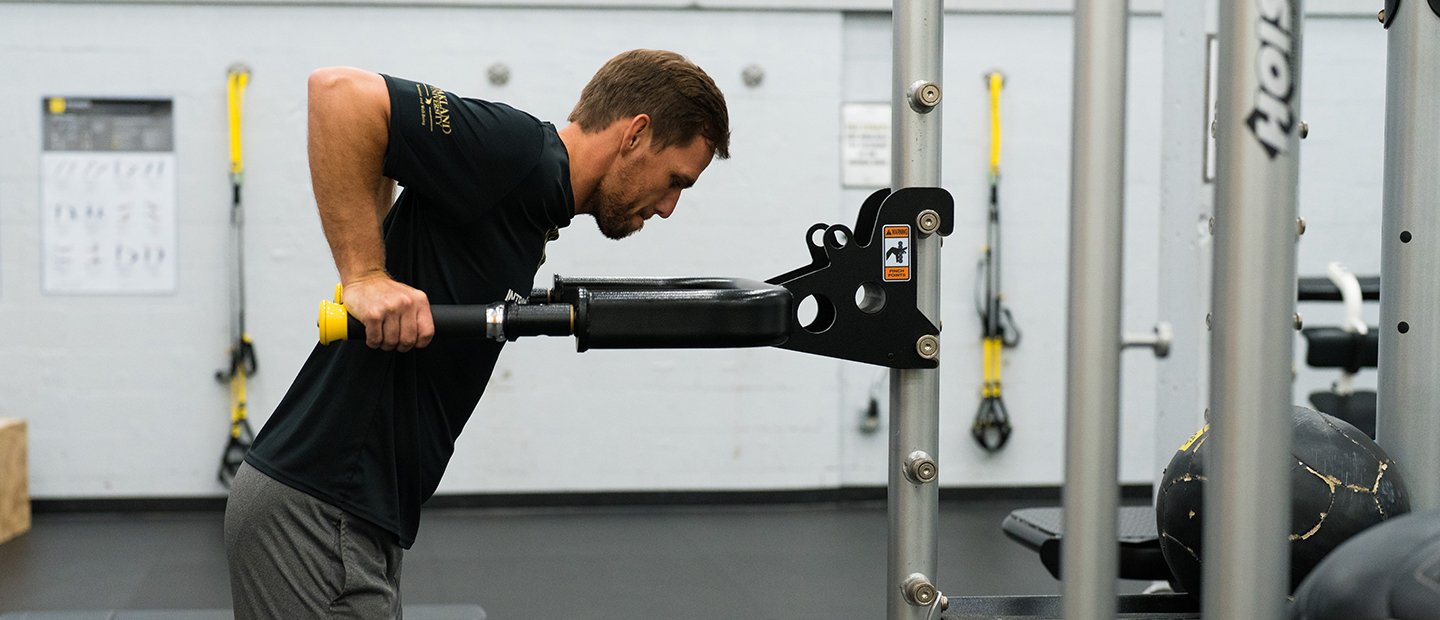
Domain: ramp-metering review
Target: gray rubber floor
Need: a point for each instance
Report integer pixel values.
(790, 562)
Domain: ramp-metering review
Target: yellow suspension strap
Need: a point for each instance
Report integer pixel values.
(992, 422)
(242, 348)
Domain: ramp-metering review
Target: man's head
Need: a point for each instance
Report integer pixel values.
(669, 121)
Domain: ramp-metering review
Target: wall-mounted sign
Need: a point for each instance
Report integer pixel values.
(865, 145)
(107, 196)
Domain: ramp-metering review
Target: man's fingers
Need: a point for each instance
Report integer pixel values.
(374, 331)
(396, 316)
(391, 338)
(408, 332)
(425, 324)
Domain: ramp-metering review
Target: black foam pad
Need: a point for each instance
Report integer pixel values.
(1042, 529)
(1322, 289)
(1358, 409)
(1332, 347)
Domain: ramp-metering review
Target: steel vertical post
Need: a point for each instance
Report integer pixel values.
(1184, 249)
(1408, 423)
(914, 508)
(1090, 551)
(1247, 496)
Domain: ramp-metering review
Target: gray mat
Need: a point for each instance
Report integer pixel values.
(412, 612)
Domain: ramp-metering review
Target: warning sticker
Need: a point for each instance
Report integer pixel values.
(897, 253)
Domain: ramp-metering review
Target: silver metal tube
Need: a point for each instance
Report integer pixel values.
(914, 508)
(1184, 248)
(1090, 551)
(1247, 496)
(1409, 428)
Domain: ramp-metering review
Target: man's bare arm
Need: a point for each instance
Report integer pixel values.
(349, 125)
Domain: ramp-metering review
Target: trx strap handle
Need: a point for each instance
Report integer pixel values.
(242, 349)
(991, 428)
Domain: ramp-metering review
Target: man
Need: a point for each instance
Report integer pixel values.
(330, 492)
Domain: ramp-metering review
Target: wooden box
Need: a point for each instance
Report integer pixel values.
(14, 480)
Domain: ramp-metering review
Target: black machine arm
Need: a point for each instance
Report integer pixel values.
(612, 313)
(861, 281)
(674, 313)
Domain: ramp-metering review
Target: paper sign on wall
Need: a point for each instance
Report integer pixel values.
(107, 196)
(865, 145)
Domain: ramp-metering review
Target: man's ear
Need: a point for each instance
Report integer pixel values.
(635, 132)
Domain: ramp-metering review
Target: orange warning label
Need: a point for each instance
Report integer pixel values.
(897, 253)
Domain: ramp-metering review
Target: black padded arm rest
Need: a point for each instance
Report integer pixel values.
(675, 313)
(1332, 347)
(1041, 530)
(1322, 289)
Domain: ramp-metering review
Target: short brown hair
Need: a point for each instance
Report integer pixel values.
(682, 101)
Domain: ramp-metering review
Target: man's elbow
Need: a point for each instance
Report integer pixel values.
(331, 79)
(349, 86)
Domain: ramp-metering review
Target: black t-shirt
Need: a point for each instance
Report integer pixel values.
(371, 431)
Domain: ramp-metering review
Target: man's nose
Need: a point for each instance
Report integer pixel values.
(667, 204)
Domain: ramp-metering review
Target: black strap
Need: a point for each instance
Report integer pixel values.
(992, 424)
(234, 453)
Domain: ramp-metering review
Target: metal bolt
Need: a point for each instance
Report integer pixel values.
(1299, 226)
(919, 591)
(1381, 16)
(924, 95)
(752, 75)
(928, 347)
(1209, 321)
(920, 468)
(1304, 130)
(499, 74)
(1212, 226)
(928, 221)
(1299, 323)
(930, 95)
(1158, 340)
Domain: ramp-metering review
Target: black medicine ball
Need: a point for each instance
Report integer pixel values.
(1388, 572)
(1341, 482)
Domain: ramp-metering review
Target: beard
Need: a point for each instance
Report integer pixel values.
(611, 205)
(612, 215)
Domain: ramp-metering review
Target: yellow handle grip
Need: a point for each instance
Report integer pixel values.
(236, 79)
(334, 322)
(996, 81)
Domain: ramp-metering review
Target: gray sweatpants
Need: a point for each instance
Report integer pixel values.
(294, 556)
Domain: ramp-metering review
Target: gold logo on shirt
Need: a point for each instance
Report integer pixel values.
(434, 108)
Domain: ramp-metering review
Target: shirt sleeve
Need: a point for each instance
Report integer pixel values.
(465, 155)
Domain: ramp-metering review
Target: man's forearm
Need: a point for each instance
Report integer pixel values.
(348, 130)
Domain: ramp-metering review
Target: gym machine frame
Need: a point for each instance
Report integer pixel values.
(1409, 317)
(1257, 134)
(1255, 228)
